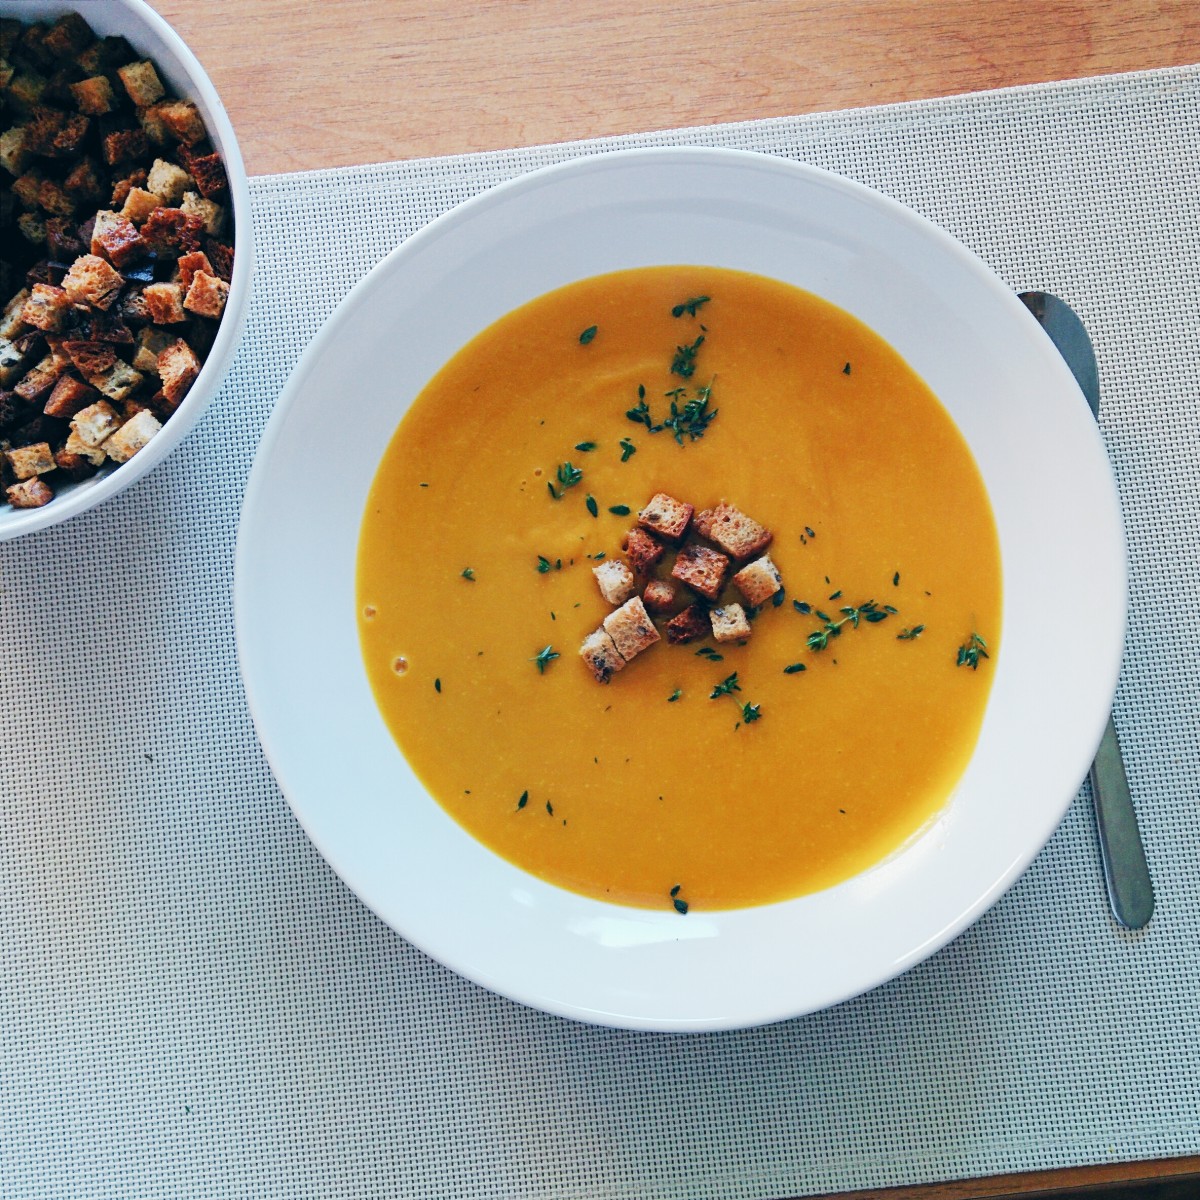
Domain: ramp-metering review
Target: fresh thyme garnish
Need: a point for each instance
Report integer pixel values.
(896, 579)
(684, 362)
(437, 686)
(802, 606)
(910, 635)
(639, 414)
(779, 597)
(544, 658)
(544, 564)
(693, 418)
(568, 475)
(674, 695)
(971, 651)
(549, 808)
(619, 510)
(689, 306)
(681, 905)
(868, 611)
(792, 668)
(726, 687)
(846, 369)
(750, 713)
(592, 506)
(522, 800)
(469, 573)
(709, 653)
(628, 449)
(585, 446)
(587, 335)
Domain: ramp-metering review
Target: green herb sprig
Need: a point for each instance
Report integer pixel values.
(868, 611)
(971, 651)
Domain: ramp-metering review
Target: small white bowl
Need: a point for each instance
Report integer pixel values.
(179, 69)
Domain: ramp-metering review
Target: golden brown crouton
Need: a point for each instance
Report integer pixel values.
(210, 213)
(28, 461)
(738, 535)
(92, 281)
(77, 447)
(118, 382)
(666, 516)
(644, 552)
(178, 367)
(116, 237)
(659, 595)
(600, 653)
(32, 493)
(615, 580)
(206, 296)
(730, 623)
(688, 625)
(68, 396)
(151, 342)
(141, 81)
(132, 436)
(46, 307)
(94, 96)
(188, 264)
(630, 628)
(95, 423)
(702, 569)
(39, 381)
(758, 581)
(139, 204)
(168, 180)
(182, 118)
(164, 302)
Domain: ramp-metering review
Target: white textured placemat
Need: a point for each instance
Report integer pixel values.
(193, 1005)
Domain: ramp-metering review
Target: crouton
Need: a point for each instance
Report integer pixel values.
(32, 493)
(32, 228)
(117, 239)
(94, 96)
(172, 230)
(28, 461)
(124, 145)
(39, 381)
(54, 200)
(644, 552)
(14, 150)
(599, 651)
(688, 625)
(209, 173)
(132, 436)
(139, 204)
(74, 466)
(142, 83)
(758, 581)
(630, 628)
(211, 214)
(206, 296)
(659, 595)
(615, 580)
(738, 535)
(666, 516)
(11, 322)
(164, 301)
(730, 623)
(151, 342)
(83, 181)
(89, 357)
(118, 382)
(77, 447)
(702, 569)
(47, 307)
(168, 180)
(183, 120)
(95, 423)
(178, 367)
(92, 281)
(68, 396)
(187, 266)
(12, 362)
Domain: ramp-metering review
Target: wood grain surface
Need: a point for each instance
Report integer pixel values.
(315, 84)
(331, 84)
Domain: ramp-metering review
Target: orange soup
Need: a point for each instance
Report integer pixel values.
(709, 774)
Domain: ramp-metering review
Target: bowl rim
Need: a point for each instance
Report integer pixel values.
(88, 494)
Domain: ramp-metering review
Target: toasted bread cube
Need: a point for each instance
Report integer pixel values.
(117, 382)
(27, 88)
(14, 150)
(207, 295)
(183, 120)
(132, 436)
(27, 186)
(28, 461)
(659, 595)
(32, 493)
(178, 367)
(95, 423)
(151, 342)
(729, 624)
(12, 362)
(92, 281)
(11, 322)
(74, 466)
(164, 302)
(75, 445)
(702, 569)
(615, 580)
(168, 180)
(141, 81)
(153, 126)
(211, 214)
(69, 35)
(600, 653)
(47, 307)
(666, 516)
(172, 230)
(758, 581)
(68, 396)
(688, 625)
(630, 628)
(117, 239)
(740, 536)
(209, 173)
(39, 381)
(32, 227)
(124, 145)
(83, 181)
(644, 552)
(94, 96)
(139, 204)
(187, 265)
(90, 358)
(54, 200)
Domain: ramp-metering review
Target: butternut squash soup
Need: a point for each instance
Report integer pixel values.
(678, 588)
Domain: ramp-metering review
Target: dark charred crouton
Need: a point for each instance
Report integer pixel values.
(643, 551)
(688, 625)
(701, 569)
(667, 517)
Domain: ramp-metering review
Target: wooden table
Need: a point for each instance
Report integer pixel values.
(314, 85)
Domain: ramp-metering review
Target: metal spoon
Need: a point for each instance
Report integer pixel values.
(1126, 873)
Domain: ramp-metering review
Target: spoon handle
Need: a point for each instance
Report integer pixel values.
(1126, 874)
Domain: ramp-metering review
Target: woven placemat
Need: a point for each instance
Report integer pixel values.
(193, 1005)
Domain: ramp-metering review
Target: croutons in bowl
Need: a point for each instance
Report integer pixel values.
(126, 253)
